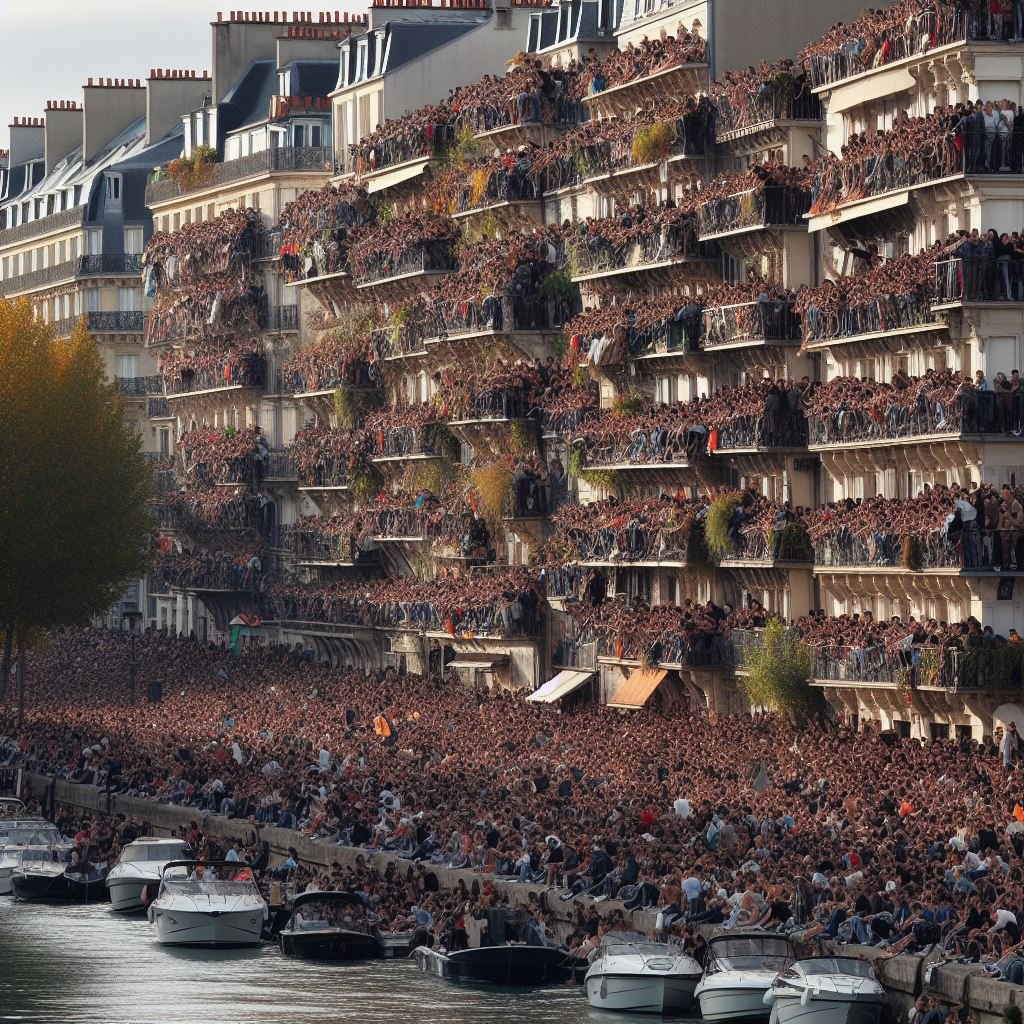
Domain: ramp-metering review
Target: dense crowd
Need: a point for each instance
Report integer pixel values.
(224, 455)
(225, 244)
(334, 360)
(405, 244)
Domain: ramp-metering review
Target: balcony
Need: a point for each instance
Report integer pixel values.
(329, 474)
(268, 245)
(611, 166)
(966, 281)
(632, 546)
(788, 547)
(402, 443)
(411, 153)
(535, 118)
(231, 375)
(981, 553)
(158, 409)
(308, 547)
(669, 253)
(771, 207)
(751, 325)
(667, 343)
(758, 119)
(648, 454)
(919, 668)
(769, 432)
(112, 264)
(510, 198)
(414, 268)
(99, 322)
(623, 100)
(403, 341)
(870, 327)
(974, 415)
(284, 159)
(280, 465)
(140, 387)
(282, 319)
(44, 225)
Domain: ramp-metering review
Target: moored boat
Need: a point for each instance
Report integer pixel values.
(16, 834)
(515, 964)
(738, 971)
(39, 874)
(208, 903)
(827, 990)
(134, 880)
(331, 926)
(639, 976)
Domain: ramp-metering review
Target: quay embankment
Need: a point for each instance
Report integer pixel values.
(905, 976)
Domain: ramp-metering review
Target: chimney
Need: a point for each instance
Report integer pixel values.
(63, 130)
(171, 92)
(111, 105)
(28, 140)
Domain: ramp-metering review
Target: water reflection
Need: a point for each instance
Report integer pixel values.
(89, 965)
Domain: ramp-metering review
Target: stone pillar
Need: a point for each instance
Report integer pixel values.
(180, 623)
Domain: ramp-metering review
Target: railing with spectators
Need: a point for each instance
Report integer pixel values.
(879, 314)
(772, 102)
(248, 372)
(433, 256)
(769, 320)
(427, 141)
(979, 279)
(781, 429)
(595, 254)
(770, 206)
(140, 387)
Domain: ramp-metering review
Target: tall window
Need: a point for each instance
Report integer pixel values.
(133, 244)
(128, 299)
(127, 366)
(113, 191)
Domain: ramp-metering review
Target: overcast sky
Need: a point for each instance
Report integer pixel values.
(54, 46)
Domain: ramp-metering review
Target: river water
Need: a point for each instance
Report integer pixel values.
(88, 965)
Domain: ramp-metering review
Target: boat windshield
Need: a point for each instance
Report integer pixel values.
(11, 807)
(29, 835)
(155, 852)
(832, 965)
(328, 913)
(750, 952)
(208, 887)
(645, 949)
(38, 856)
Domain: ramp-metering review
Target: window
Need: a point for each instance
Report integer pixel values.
(165, 442)
(94, 241)
(113, 189)
(128, 299)
(258, 140)
(299, 135)
(92, 300)
(233, 148)
(133, 241)
(361, 56)
(127, 366)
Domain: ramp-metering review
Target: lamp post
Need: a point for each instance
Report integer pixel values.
(133, 618)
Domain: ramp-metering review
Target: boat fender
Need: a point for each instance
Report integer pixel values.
(144, 896)
(769, 997)
(659, 922)
(604, 988)
(805, 997)
(149, 914)
(266, 913)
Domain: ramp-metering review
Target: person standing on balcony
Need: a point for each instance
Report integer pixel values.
(969, 516)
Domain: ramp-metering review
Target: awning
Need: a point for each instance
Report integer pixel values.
(484, 661)
(403, 172)
(562, 685)
(863, 208)
(636, 691)
(867, 88)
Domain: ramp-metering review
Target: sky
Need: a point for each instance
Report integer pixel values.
(55, 46)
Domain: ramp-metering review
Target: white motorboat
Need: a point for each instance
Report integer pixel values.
(12, 807)
(134, 880)
(641, 977)
(738, 971)
(208, 903)
(826, 990)
(17, 834)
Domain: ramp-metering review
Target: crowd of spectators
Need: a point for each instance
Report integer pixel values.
(223, 245)
(768, 193)
(313, 232)
(641, 60)
(240, 568)
(224, 455)
(405, 244)
(335, 360)
(327, 456)
(761, 94)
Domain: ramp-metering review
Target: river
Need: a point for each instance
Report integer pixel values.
(88, 965)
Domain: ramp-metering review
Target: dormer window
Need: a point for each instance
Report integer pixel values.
(362, 57)
(113, 191)
(282, 84)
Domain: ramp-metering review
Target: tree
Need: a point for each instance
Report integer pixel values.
(778, 676)
(73, 521)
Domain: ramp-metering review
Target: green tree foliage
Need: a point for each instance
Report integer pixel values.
(716, 524)
(73, 521)
(778, 676)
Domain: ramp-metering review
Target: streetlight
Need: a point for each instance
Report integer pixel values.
(133, 618)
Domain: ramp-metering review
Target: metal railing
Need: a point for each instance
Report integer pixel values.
(402, 442)
(327, 472)
(285, 158)
(979, 279)
(921, 35)
(782, 429)
(282, 319)
(164, 481)
(769, 320)
(743, 643)
(768, 547)
(974, 412)
(650, 446)
(158, 409)
(111, 263)
(771, 206)
(502, 186)
(433, 256)
(250, 372)
(975, 668)
(526, 109)
(140, 387)
(118, 321)
(427, 141)
(44, 225)
(280, 465)
(772, 102)
(268, 245)
(596, 254)
(405, 339)
(700, 651)
(66, 271)
(878, 314)
(632, 542)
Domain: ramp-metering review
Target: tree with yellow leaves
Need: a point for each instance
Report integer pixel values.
(73, 521)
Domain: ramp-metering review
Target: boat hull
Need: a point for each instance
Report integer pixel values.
(733, 1003)
(637, 993)
(131, 894)
(329, 944)
(32, 886)
(790, 1010)
(216, 928)
(514, 966)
